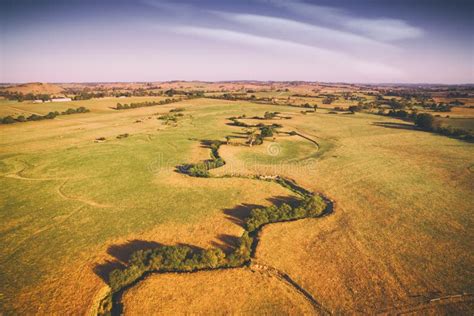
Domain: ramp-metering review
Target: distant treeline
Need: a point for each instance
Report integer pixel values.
(254, 99)
(150, 93)
(18, 96)
(87, 94)
(35, 117)
(135, 105)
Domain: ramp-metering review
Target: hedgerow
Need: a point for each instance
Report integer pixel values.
(36, 117)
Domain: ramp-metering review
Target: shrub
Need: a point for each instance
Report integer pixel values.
(122, 136)
(177, 110)
(34, 117)
(8, 120)
(355, 108)
(269, 115)
(266, 131)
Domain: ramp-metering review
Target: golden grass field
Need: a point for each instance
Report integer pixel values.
(234, 291)
(401, 233)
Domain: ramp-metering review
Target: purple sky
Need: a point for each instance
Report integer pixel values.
(154, 40)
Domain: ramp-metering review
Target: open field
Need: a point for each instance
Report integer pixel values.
(233, 291)
(103, 105)
(72, 209)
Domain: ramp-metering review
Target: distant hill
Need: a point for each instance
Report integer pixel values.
(36, 88)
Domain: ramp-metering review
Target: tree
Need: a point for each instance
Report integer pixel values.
(425, 121)
(266, 131)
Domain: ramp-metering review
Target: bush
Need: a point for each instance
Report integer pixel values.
(122, 136)
(177, 110)
(266, 131)
(355, 108)
(8, 120)
(34, 117)
(269, 115)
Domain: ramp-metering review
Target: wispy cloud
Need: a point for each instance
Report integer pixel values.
(308, 34)
(315, 58)
(295, 45)
(383, 29)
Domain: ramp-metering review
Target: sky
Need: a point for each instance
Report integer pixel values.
(363, 41)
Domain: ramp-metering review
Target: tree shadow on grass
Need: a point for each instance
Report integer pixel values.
(103, 270)
(238, 213)
(121, 254)
(279, 200)
(395, 125)
(226, 242)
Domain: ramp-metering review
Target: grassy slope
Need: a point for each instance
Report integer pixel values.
(65, 198)
(401, 225)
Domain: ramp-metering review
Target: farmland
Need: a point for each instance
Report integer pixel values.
(78, 198)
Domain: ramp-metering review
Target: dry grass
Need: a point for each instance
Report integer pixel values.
(401, 232)
(401, 228)
(56, 245)
(236, 291)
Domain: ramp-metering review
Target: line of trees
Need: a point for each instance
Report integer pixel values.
(310, 206)
(87, 95)
(80, 109)
(135, 105)
(35, 117)
(183, 258)
(179, 258)
(201, 169)
(19, 96)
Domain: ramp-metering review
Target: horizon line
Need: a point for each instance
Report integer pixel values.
(244, 80)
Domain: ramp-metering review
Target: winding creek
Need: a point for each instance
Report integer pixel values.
(289, 184)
